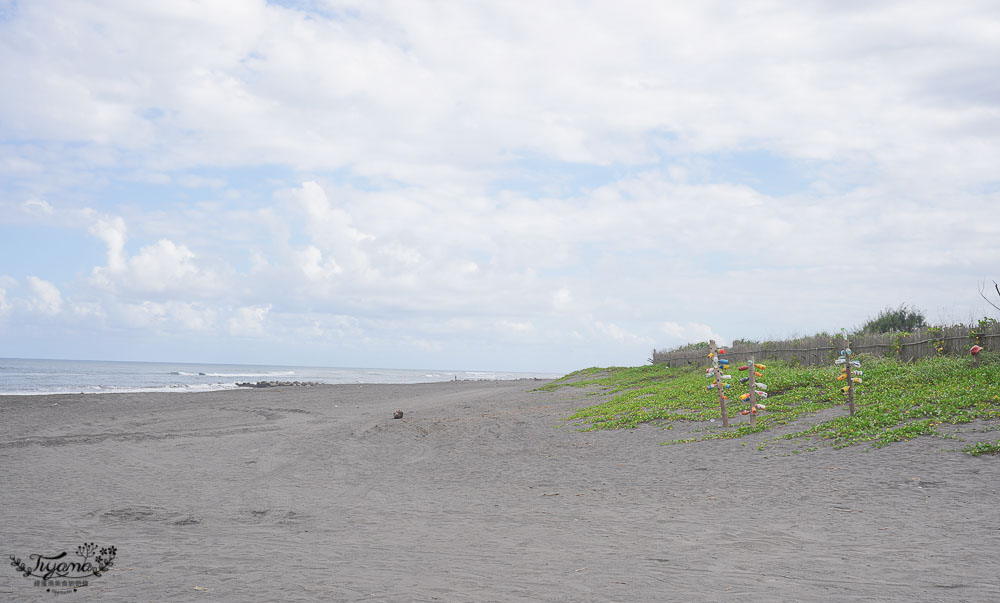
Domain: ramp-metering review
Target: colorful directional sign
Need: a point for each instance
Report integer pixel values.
(847, 372)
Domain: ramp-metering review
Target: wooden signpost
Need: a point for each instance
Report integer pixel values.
(848, 373)
(757, 390)
(717, 366)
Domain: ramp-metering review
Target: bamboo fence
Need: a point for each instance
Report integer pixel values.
(824, 348)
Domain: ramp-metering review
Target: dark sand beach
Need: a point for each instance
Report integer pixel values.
(317, 493)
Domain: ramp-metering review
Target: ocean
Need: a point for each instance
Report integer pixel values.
(25, 376)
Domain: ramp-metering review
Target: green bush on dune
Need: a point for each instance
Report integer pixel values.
(897, 401)
(901, 319)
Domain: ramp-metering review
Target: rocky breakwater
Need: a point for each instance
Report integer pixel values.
(279, 384)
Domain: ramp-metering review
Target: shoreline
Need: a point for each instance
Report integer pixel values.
(43, 377)
(480, 492)
(192, 389)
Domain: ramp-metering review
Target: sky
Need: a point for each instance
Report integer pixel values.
(515, 185)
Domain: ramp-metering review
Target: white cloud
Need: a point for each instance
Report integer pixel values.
(620, 335)
(425, 92)
(562, 299)
(112, 232)
(193, 317)
(517, 327)
(164, 318)
(541, 172)
(322, 328)
(249, 321)
(330, 228)
(691, 332)
(45, 297)
(38, 205)
(89, 310)
(195, 181)
(162, 267)
(144, 314)
(310, 262)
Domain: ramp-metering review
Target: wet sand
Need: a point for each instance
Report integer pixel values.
(317, 493)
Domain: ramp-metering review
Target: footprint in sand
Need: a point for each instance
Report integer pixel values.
(265, 505)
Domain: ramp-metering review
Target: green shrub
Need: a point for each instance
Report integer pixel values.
(902, 318)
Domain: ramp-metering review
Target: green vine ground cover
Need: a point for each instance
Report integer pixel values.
(898, 401)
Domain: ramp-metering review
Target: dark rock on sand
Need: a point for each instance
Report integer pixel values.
(278, 384)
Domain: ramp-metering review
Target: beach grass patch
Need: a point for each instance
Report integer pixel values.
(898, 401)
(981, 448)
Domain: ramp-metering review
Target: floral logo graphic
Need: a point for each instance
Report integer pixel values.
(63, 570)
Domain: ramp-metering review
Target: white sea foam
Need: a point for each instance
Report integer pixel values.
(234, 375)
(100, 389)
